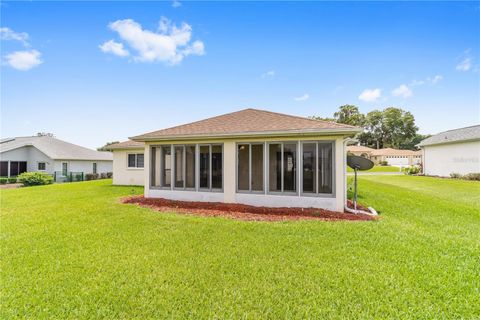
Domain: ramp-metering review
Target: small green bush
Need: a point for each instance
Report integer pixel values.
(12, 180)
(383, 163)
(35, 178)
(455, 175)
(103, 175)
(91, 176)
(3, 180)
(412, 170)
(109, 175)
(472, 176)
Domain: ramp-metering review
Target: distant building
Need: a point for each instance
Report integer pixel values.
(394, 157)
(453, 151)
(361, 151)
(50, 155)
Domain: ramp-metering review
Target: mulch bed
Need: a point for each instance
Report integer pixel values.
(241, 211)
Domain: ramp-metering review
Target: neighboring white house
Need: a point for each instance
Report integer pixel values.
(251, 156)
(453, 151)
(128, 162)
(50, 155)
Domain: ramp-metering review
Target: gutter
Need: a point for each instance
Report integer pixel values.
(303, 132)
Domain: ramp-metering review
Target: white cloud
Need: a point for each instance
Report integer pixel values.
(114, 48)
(171, 44)
(24, 60)
(370, 95)
(402, 91)
(9, 34)
(429, 80)
(269, 73)
(465, 63)
(304, 97)
(176, 3)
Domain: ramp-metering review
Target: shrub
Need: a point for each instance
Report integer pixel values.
(109, 175)
(12, 180)
(35, 178)
(412, 170)
(455, 175)
(472, 176)
(3, 180)
(91, 176)
(383, 163)
(103, 175)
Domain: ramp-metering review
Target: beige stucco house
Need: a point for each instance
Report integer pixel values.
(453, 151)
(396, 157)
(251, 156)
(128, 163)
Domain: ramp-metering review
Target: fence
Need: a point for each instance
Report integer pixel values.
(59, 176)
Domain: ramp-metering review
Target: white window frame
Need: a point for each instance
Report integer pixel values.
(237, 162)
(136, 167)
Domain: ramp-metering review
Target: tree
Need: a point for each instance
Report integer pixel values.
(104, 148)
(349, 114)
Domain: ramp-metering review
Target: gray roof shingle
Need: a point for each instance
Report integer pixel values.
(457, 135)
(248, 121)
(54, 148)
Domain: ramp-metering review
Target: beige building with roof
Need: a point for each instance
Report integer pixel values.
(251, 156)
(396, 157)
(128, 163)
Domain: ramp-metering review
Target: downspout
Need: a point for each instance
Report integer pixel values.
(371, 211)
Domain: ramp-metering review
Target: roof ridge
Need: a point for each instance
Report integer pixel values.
(300, 117)
(475, 125)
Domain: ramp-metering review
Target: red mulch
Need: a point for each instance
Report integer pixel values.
(241, 211)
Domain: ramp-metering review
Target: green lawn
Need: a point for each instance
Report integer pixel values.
(73, 251)
(379, 169)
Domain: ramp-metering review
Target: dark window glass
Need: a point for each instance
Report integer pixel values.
(64, 168)
(131, 161)
(94, 167)
(166, 167)
(275, 167)
(190, 166)
(13, 168)
(289, 167)
(205, 167)
(155, 167)
(243, 166)
(3, 168)
(217, 167)
(178, 167)
(325, 171)
(140, 160)
(257, 167)
(309, 167)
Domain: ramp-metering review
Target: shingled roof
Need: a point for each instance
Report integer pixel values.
(129, 144)
(457, 135)
(54, 148)
(249, 122)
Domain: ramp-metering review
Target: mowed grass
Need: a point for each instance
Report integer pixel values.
(72, 251)
(379, 169)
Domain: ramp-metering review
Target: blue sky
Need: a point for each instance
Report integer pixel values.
(93, 72)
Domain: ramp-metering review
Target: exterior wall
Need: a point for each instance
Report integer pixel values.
(122, 175)
(31, 155)
(443, 159)
(85, 166)
(230, 195)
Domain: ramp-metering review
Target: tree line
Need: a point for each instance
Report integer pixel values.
(388, 128)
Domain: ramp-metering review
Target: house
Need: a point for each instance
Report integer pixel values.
(396, 157)
(50, 155)
(361, 151)
(128, 162)
(453, 151)
(251, 157)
